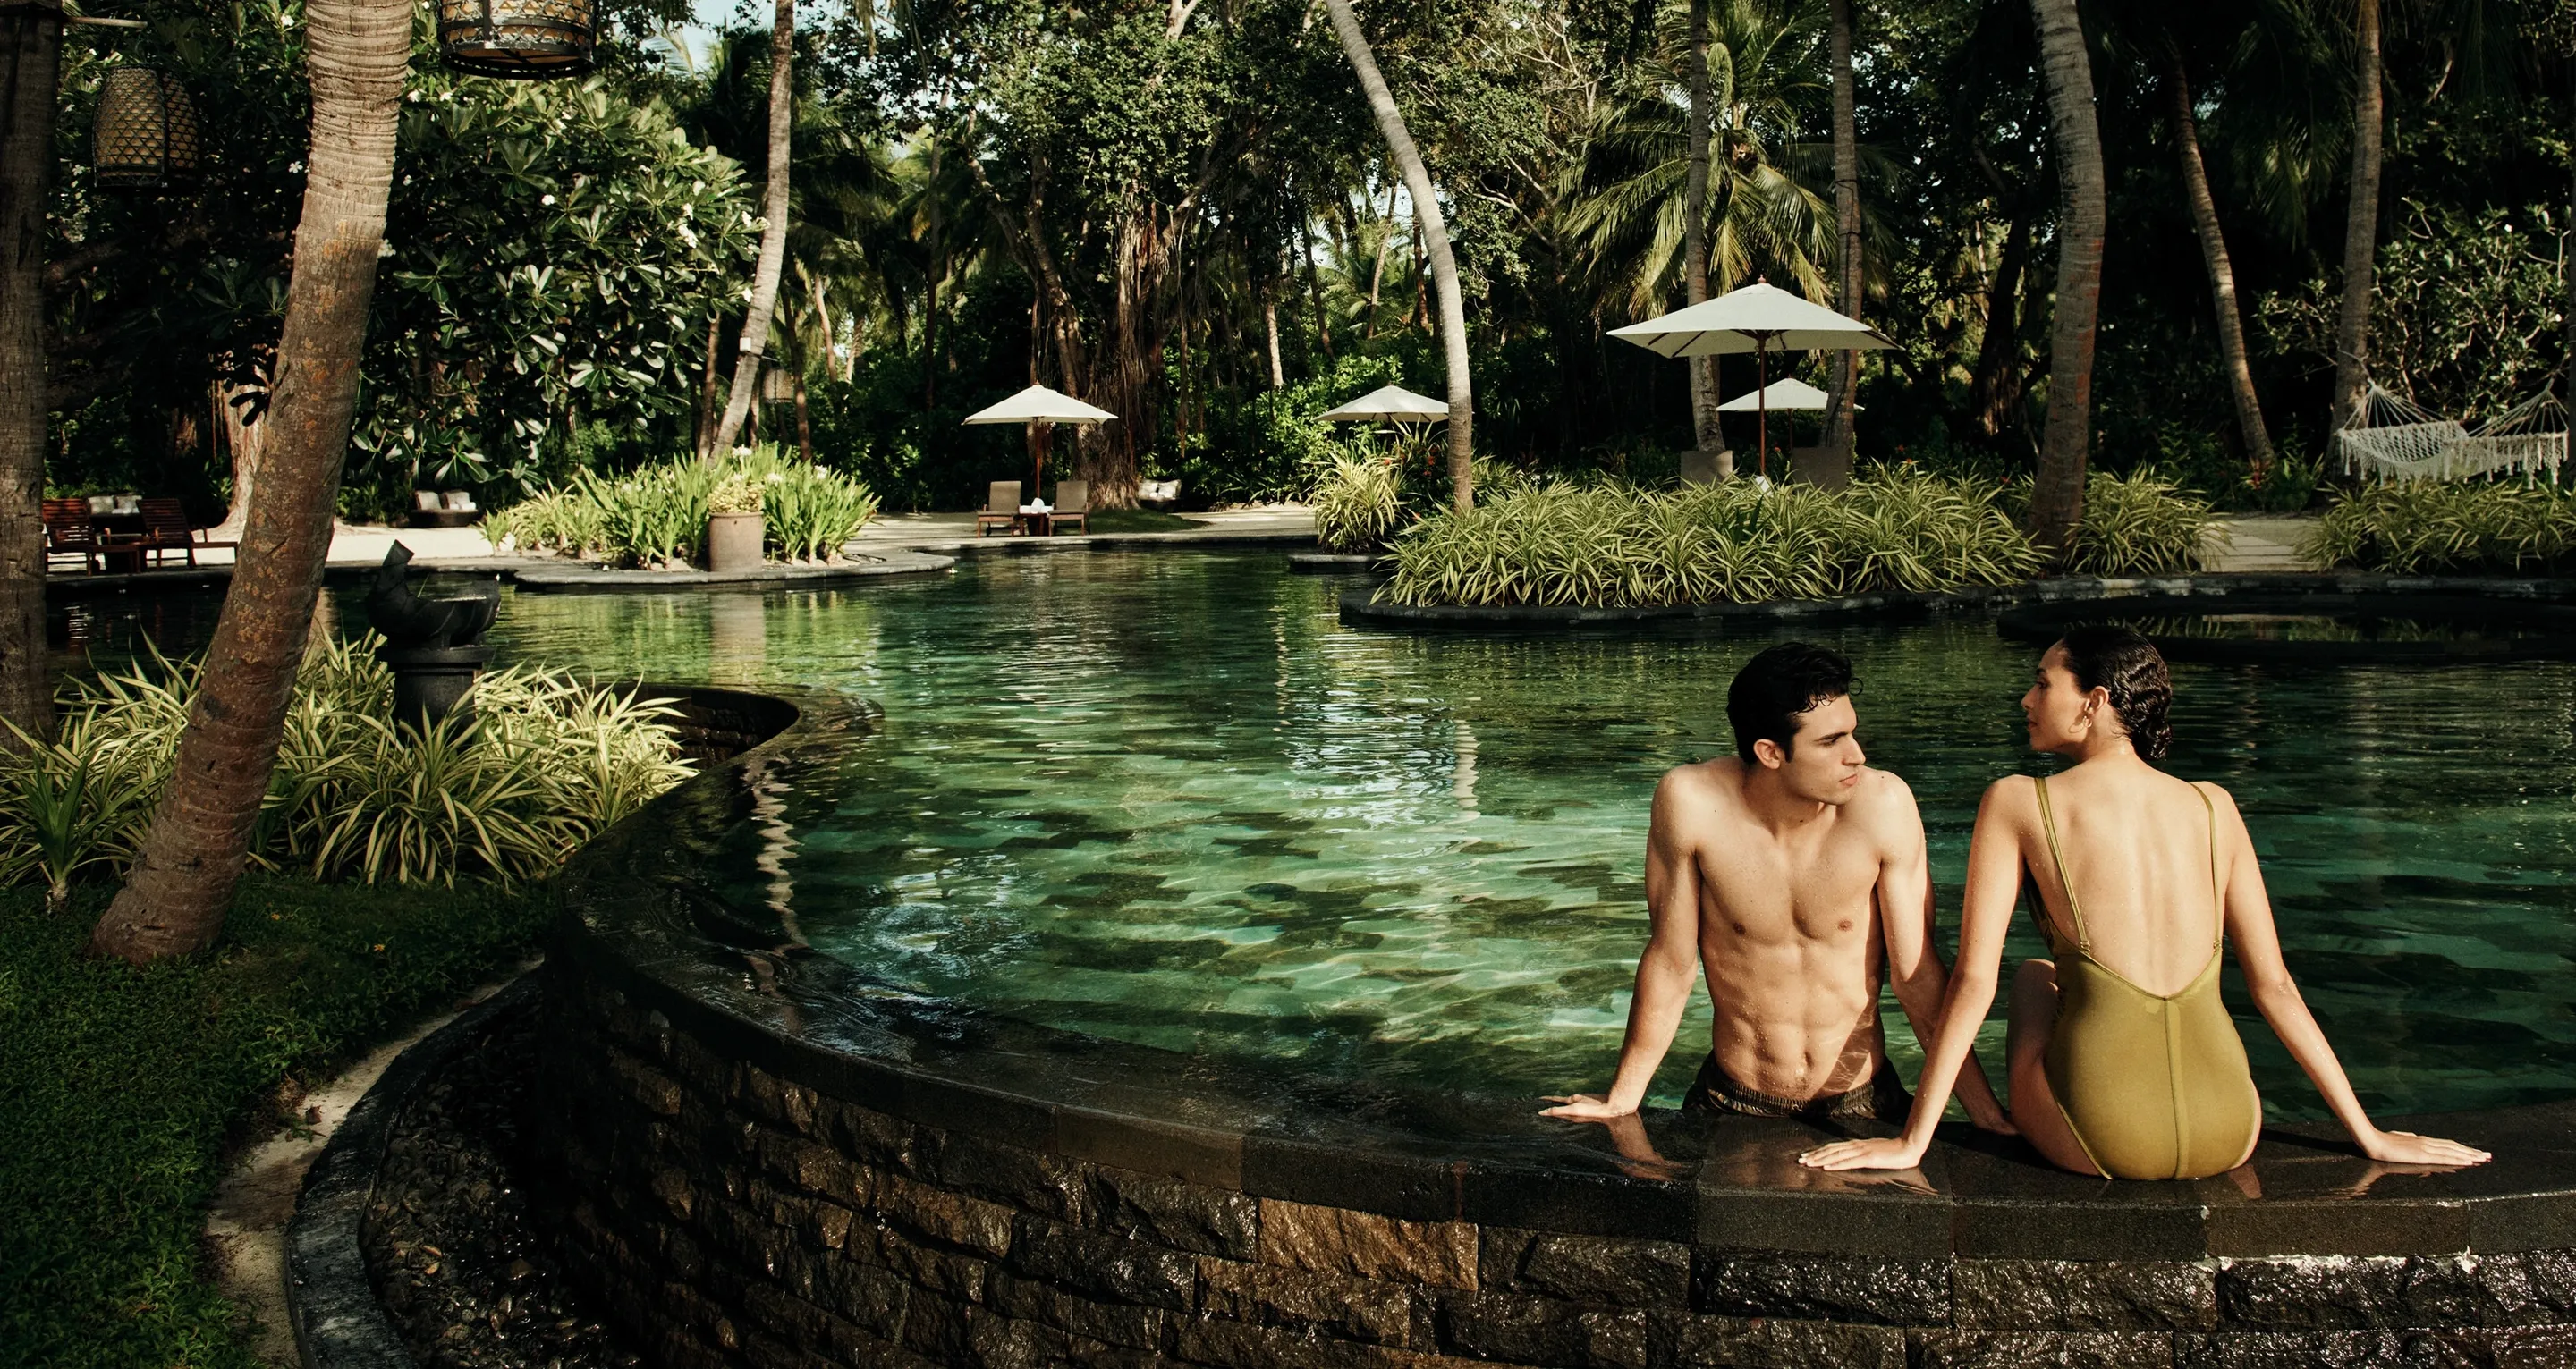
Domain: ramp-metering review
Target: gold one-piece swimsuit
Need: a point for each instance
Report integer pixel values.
(2154, 1086)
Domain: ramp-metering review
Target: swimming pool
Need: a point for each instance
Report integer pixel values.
(1170, 799)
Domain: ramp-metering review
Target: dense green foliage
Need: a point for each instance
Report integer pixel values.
(121, 1086)
(1623, 547)
(2141, 524)
(657, 516)
(503, 790)
(2428, 527)
(1357, 504)
(1143, 203)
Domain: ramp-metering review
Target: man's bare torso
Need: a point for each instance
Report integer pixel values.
(1788, 930)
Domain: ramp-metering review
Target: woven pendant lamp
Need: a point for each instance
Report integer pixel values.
(777, 385)
(526, 40)
(146, 135)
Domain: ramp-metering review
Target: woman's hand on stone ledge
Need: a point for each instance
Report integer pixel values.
(2407, 1148)
(1888, 1153)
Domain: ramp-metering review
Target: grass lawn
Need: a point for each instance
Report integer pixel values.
(118, 1087)
(1140, 520)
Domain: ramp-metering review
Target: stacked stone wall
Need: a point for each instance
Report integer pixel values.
(731, 1217)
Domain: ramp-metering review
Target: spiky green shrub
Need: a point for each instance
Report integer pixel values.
(2141, 525)
(656, 517)
(504, 790)
(1356, 503)
(1733, 541)
(2421, 527)
(812, 511)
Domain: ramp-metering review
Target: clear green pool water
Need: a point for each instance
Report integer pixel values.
(1168, 798)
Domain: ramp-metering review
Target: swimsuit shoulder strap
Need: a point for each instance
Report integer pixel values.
(2057, 854)
(2217, 891)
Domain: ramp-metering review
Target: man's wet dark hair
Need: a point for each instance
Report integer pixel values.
(1775, 687)
(2127, 667)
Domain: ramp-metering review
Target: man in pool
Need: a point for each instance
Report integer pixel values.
(1794, 875)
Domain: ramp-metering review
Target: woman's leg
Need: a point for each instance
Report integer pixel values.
(2034, 1104)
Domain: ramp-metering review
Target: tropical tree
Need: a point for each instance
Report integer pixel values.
(2057, 497)
(773, 231)
(33, 36)
(2361, 222)
(1703, 370)
(191, 854)
(1842, 392)
(562, 252)
(1435, 241)
(2222, 272)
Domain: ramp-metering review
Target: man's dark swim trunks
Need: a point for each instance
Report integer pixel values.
(1883, 1098)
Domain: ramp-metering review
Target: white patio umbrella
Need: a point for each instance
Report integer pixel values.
(1789, 393)
(1041, 409)
(1390, 404)
(1756, 319)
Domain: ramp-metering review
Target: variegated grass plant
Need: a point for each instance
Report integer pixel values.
(656, 517)
(2142, 525)
(504, 790)
(2419, 527)
(1357, 503)
(1733, 541)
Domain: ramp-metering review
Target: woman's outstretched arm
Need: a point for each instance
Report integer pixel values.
(1994, 881)
(2276, 996)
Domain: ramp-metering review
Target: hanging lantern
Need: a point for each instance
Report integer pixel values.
(528, 40)
(777, 385)
(146, 134)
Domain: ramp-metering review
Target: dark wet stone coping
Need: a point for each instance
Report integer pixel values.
(2553, 636)
(640, 920)
(1335, 562)
(1359, 608)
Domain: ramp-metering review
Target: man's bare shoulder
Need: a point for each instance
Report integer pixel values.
(1885, 804)
(1694, 794)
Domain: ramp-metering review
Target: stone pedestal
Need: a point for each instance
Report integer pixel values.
(1707, 468)
(429, 682)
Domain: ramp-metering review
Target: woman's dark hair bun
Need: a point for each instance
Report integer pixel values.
(2125, 665)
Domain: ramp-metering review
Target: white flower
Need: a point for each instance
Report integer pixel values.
(545, 199)
(742, 451)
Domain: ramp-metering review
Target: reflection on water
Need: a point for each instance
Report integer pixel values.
(1170, 799)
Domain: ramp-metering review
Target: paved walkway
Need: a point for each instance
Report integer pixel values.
(2263, 544)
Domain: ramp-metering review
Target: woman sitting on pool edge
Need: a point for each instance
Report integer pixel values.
(2123, 1061)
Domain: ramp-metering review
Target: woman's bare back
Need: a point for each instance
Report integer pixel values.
(2137, 845)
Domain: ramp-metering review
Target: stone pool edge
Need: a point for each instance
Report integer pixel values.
(761, 1150)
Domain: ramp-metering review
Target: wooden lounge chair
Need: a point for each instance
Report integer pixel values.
(1072, 504)
(68, 532)
(166, 530)
(1001, 507)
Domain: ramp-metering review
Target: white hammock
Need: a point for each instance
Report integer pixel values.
(2396, 440)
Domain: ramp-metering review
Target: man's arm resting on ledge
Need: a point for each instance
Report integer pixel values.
(1914, 968)
(1663, 973)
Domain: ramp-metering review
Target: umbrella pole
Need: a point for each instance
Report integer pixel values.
(1762, 408)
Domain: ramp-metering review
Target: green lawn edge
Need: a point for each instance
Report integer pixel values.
(119, 1088)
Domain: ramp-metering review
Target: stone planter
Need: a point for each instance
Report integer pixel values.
(733, 542)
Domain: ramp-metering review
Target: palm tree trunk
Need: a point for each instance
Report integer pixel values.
(1435, 237)
(1994, 394)
(2222, 281)
(2057, 498)
(173, 901)
(2360, 225)
(244, 438)
(1706, 434)
(773, 229)
(35, 38)
(1844, 383)
(1270, 333)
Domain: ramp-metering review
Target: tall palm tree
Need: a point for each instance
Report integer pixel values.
(1703, 117)
(773, 231)
(2057, 497)
(2222, 274)
(191, 857)
(33, 36)
(2361, 221)
(1844, 389)
(1435, 241)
